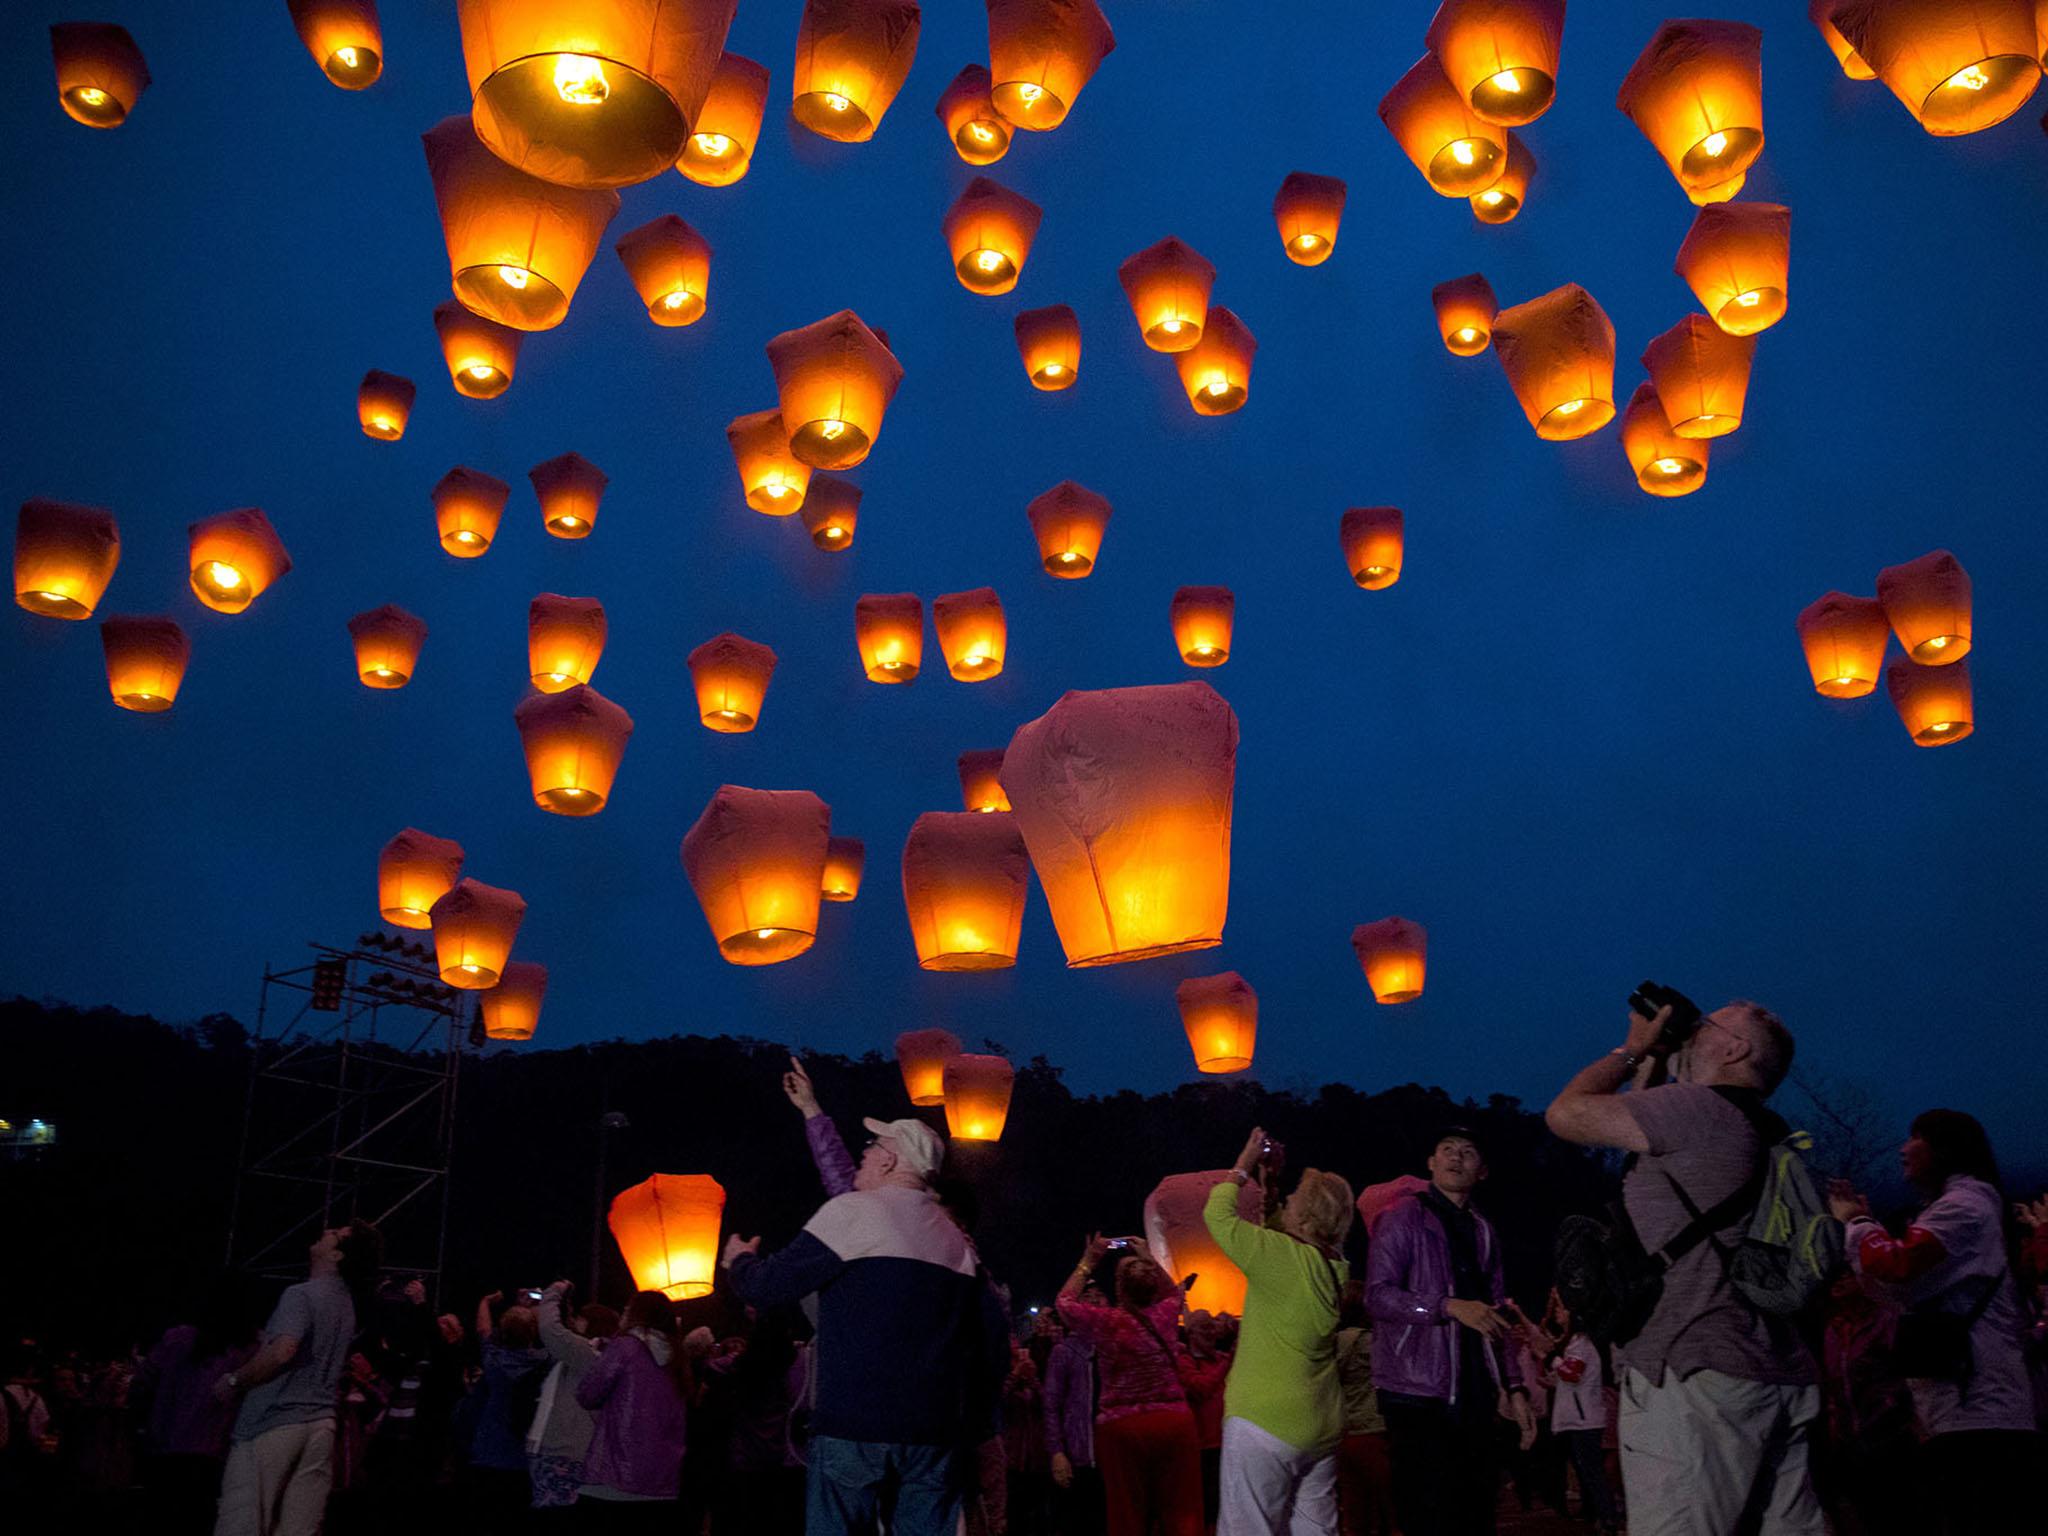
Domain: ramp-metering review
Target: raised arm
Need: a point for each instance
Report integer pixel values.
(1590, 1110)
(789, 1275)
(556, 1336)
(828, 1148)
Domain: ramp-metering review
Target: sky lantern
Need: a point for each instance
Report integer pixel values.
(980, 134)
(564, 639)
(1500, 202)
(1069, 521)
(569, 487)
(1168, 287)
(731, 677)
(851, 59)
(1393, 953)
(146, 660)
(1960, 66)
(64, 556)
(1372, 538)
(889, 629)
(965, 876)
(1216, 371)
(1701, 374)
(1928, 603)
(831, 511)
(1845, 55)
(1665, 464)
(1202, 619)
(756, 859)
(1040, 54)
(1180, 1240)
(468, 505)
(573, 740)
(517, 245)
(1697, 93)
(977, 1096)
(1049, 340)
(387, 643)
(233, 558)
(989, 230)
(474, 925)
(1221, 1016)
(773, 478)
(1123, 796)
(1465, 308)
(921, 1055)
(1720, 192)
(481, 354)
(845, 858)
(1457, 151)
(666, 1227)
(1500, 55)
(834, 380)
(100, 73)
(384, 404)
(973, 633)
(1735, 259)
(981, 783)
(590, 93)
(1558, 354)
(1308, 210)
(344, 38)
(722, 138)
(670, 265)
(415, 870)
(1933, 703)
(1844, 639)
(511, 1009)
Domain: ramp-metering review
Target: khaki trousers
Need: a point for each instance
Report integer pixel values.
(1711, 1455)
(276, 1484)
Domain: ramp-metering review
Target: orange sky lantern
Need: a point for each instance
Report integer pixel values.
(1934, 703)
(831, 511)
(1123, 796)
(1499, 203)
(773, 479)
(387, 644)
(1180, 1240)
(233, 558)
(965, 877)
(1221, 1017)
(1558, 354)
(573, 741)
(666, 1227)
(468, 505)
(1701, 374)
(569, 488)
(834, 381)
(731, 676)
(845, 858)
(977, 1096)
(415, 870)
(100, 73)
(1720, 192)
(384, 404)
(670, 265)
(511, 1009)
(344, 38)
(1069, 521)
(889, 629)
(1500, 55)
(564, 638)
(64, 556)
(474, 925)
(1049, 341)
(1465, 308)
(980, 134)
(921, 1055)
(1202, 619)
(1736, 259)
(973, 633)
(852, 57)
(1372, 539)
(1845, 55)
(756, 859)
(1394, 954)
(722, 138)
(481, 354)
(1928, 603)
(1697, 93)
(1216, 371)
(989, 230)
(1844, 639)
(146, 660)
(981, 783)
(1457, 151)
(1960, 66)
(1665, 464)
(1308, 210)
(1040, 54)
(1168, 286)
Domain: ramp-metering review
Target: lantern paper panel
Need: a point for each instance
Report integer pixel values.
(468, 506)
(345, 39)
(1499, 203)
(1558, 353)
(977, 1096)
(845, 859)
(756, 859)
(511, 1009)
(233, 558)
(773, 479)
(1927, 602)
(573, 742)
(146, 661)
(1040, 54)
(852, 57)
(387, 645)
(1372, 538)
(989, 230)
(1934, 703)
(1960, 66)
(1202, 619)
(564, 638)
(720, 147)
(1465, 310)
(965, 877)
(1844, 639)
(1697, 93)
(481, 354)
(831, 511)
(973, 633)
(1049, 341)
(921, 1055)
(981, 782)
(1216, 371)
(1500, 55)
(569, 488)
(1817, 12)
(888, 627)
(670, 265)
(64, 557)
(1069, 521)
(1736, 259)
(1168, 286)
(730, 674)
(474, 925)
(834, 380)
(1308, 209)
(415, 870)
(384, 404)
(1221, 1017)
(1393, 953)
(1458, 152)
(1701, 374)
(1664, 463)
(667, 1227)
(979, 133)
(1179, 1238)
(1720, 192)
(100, 73)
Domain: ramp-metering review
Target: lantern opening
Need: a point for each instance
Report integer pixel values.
(586, 120)
(513, 295)
(765, 946)
(1704, 163)
(580, 79)
(91, 105)
(1513, 95)
(1980, 94)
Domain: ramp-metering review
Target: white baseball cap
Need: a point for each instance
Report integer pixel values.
(917, 1146)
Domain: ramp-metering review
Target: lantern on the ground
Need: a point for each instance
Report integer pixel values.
(851, 59)
(973, 633)
(1665, 464)
(670, 265)
(845, 858)
(1168, 287)
(573, 742)
(233, 557)
(1736, 259)
(730, 674)
(1040, 54)
(1179, 1238)
(772, 478)
(1701, 373)
(1927, 602)
(1500, 55)
(977, 1096)
(981, 781)
(1308, 210)
(387, 644)
(1844, 639)
(830, 511)
(1221, 1016)
(834, 381)
(756, 859)
(1372, 538)
(1558, 354)
(1069, 521)
(1202, 618)
(468, 505)
(564, 639)
(1393, 953)
(64, 556)
(1697, 93)
(474, 925)
(1216, 371)
(721, 142)
(146, 660)
(384, 404)
(989, 230)
(921, 1055)
(1049, 340)
(344, 38)
(1457, 151)
(667, 1231)
(100, 73)
(979, 132)
(1123, 796)
(1503, 200)
(965, 877)
(888, 627)
(569, 488)
(1817, 12)
(1934, 703)
(1465, 310)
(415, 870)
(480, 353)
(511, 1009)
(1959, 65)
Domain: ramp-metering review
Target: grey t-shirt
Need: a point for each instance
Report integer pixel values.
(320, 1314)
(1701, 1324)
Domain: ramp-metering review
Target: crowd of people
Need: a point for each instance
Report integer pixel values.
(1719, 1372)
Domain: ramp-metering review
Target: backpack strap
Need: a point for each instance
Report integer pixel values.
(1704, 1224)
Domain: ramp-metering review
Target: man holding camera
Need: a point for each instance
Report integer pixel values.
(1718, 1401)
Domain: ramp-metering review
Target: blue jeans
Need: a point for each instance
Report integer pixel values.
(853, 1482)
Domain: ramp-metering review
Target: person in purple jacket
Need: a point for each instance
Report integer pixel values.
(1434, 1287)
(638, 1394)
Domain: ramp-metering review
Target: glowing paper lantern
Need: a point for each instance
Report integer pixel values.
(1040, 54)
(1168, 286)
(384, 404)
(590, 93)
(100, 73)
(569, 488)
(1123, 796)
(977, 1096)
(344, 38)
(1457, 151)
(1216, 371)
(965, 876)
(731, 677)
(387, 643)
(1202, 619)
(1049, 340)
(1701, 374)
(1697, 93)
(1735, 259)
(889, 629)
(1500, 55)
(415, 870)
(1558, 354)
(1845, 55)
(1069, 521)
(1665, 464)
(973, 633)
(830, 512)
(989, 230)
(670, 265)
(146, 660)
(1308, 210)
(1960, 66)
(721, 142)
(573, 741)
(921, 1055)
(474, 926)
(1927, 602)
(851, 59)
(1221, 1016)
(667, 1231)
(1465, 310)
(1179, 1238)
(1393, 952)
(1844, 639)
(64, 556)
(1372, 538)
(564, 638)
(511, 1009)
(468, 505)
(773, 478)
(979, 132)
(834, 380)
(756, 859)
(1934, 703)
(845, 858)
(981, 783)
(480, 353)
(1503, 200)
(233, 558)
(1720, 192)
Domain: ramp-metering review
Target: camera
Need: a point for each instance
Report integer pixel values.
(528, 1296)
(1115, 1243)
(1684, 1022)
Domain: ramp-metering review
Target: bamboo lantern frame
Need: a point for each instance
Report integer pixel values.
(989, 230)
(845, 859)
(1221, 1016)
(564, 641)
(1168, 286)
(1499, 203)
(720, 147)
(965, 879)
(973, 632)
(1465, 310)
(474, 927)
(481, 354)
(1069, 522)
(979, 133)
(731, 674)
(1697, 93)
(146, 659)
(415, 870)
(1040, 54)
(667, 1230)
(1500, 55)
(468, 506)
(1844, 639)
(573, 742)
(888, 628)
(345, 39)
(921, 1056)
(1457, 151)
(1927, 602)
(233, 558)
(1701, 374)
(670, 265)
(773, 480)
(511, 1009)
(387, 645)
(981, 782)
(384, 404)
(831, 511)
(834, 380)
(1558, 353)
(1959, 66)
(1049, 342)
(65, 554)
(977, 1096)
(1817, 12)
(1737, 260)
(852, 57)
(1394, 954)
(1308, 210)
(756, 859)
(569, 488)
(1202, 619)
(1216, 372)
(100, 72)
(1934, 703)
(1664, 463)
(1372, 538)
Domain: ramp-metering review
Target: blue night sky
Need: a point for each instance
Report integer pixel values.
(1577, 740)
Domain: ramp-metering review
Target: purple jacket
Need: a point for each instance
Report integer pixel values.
(1407, 1282)
(828, 1151)
(637, 1444)
(1070, 1401)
